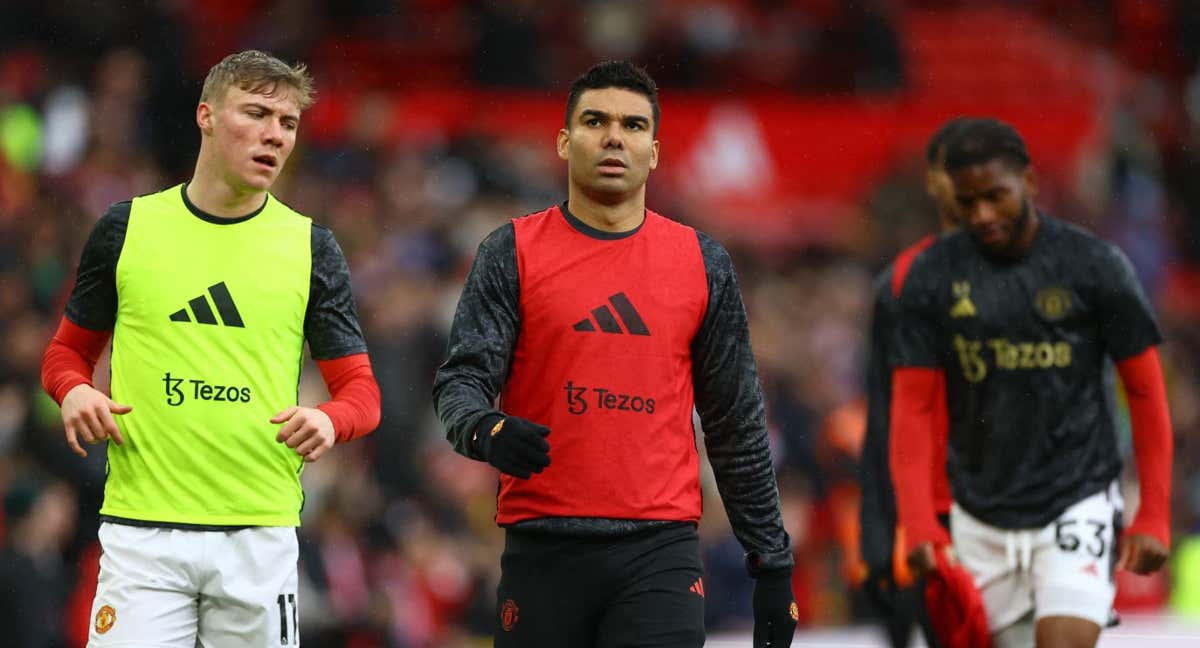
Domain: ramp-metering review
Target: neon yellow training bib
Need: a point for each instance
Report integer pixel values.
(207, 347)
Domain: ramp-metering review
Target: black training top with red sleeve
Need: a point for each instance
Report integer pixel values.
(610, 339)
(877, 514)
(1023, 344)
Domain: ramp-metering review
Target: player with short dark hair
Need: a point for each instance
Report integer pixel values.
(629, 77)
(209, 291)
(601, 325)
(1010, 321)
(889, 583)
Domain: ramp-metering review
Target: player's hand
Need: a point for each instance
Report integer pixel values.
(306, 430)
(516, 446)
(1141, 553)
(923, 559)
(87, 416)
(775, 610)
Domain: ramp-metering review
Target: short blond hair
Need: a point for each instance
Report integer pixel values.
(258, 72)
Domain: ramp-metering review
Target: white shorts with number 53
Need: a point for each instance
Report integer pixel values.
(1062, 569)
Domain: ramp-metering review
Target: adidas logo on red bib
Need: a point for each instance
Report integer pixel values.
(608, 322)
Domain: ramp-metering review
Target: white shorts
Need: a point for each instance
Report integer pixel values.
(173, 588)
(1062, 569)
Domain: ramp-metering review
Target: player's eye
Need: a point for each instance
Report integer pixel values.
(634, 125)
(592, 121)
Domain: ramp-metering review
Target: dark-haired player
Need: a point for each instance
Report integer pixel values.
(889, 584)
(1014, 316)
(599, 325)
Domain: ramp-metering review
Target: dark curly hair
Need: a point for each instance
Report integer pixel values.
(982, 140)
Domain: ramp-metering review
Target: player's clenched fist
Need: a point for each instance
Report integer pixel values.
(923, 559)
(306, 430)
(88, 416)
(1141, 554)
(515, 446)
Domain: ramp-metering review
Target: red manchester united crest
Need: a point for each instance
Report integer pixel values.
(508, 615)
(105, 618)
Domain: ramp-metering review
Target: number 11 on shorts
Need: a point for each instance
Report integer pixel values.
(287, 613)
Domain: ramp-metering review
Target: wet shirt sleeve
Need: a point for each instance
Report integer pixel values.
(482, 338)
(331, 319)
(729, 400)
(916, 334)
(93, 301)
(1125, 318)
(878, 512)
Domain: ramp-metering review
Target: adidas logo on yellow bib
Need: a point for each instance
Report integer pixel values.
(204, 313)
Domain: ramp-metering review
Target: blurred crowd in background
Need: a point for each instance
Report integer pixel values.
(398, 544)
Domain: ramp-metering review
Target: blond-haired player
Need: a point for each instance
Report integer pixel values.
(210, 290)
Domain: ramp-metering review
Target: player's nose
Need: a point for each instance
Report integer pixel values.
(613, 137)
(273, 132)
(981, 214)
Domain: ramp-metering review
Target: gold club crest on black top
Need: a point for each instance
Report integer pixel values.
(1053, 303)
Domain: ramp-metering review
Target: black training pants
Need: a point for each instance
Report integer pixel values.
(642, 589)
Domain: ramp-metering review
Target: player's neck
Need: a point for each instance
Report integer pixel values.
(212, 194)
(1029, 230)
(622, 216)
(946, 221)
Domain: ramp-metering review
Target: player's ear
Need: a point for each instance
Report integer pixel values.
(1030, 180)
(204, 117)
(931, 181)
(654, 155)
(564, 138)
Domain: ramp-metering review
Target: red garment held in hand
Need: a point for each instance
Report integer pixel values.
(955, 606)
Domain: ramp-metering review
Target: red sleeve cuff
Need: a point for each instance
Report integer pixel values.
(354, 396)
(1158, 529)
(916, 392)
(1153, 442)
(70, 358)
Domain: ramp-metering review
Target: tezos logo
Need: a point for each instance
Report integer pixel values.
(177, 392)
(578, 401)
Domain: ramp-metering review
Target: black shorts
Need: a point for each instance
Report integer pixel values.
(643, 589)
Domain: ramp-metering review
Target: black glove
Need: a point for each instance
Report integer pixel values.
(775, 610)
(880, 589)
(516, 446)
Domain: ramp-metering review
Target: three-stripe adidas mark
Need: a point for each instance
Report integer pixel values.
(204, 314)
(698, 587)
(608, 323)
